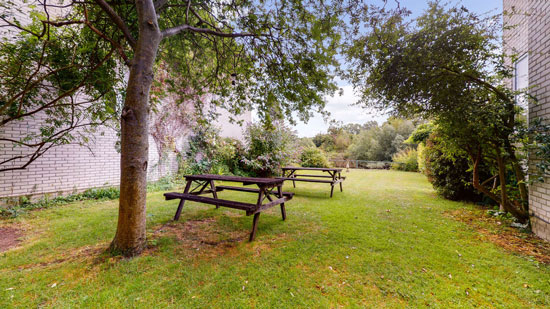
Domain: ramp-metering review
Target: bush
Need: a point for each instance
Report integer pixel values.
(268, 148)
(209, 153)
(14, 211)
(449, 174)
(405, 160)
(421, 157)
(313, 157)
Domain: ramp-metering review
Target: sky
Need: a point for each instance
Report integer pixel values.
(342, 109)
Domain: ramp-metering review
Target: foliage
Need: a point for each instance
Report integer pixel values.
(25, 204)
(209, 153)
(381, 143)
(64, 80)
(421, 151)
(420, 134)
(303, 142)
(405, 160)
(313, 157)
(447, 67)
(278, 57)
(268, 148)
(449, 173)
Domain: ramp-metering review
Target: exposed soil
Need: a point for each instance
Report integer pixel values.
(9, 238)
(205, 236)
(498, 231)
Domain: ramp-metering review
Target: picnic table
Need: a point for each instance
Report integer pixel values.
(335, 175)
(267, 188)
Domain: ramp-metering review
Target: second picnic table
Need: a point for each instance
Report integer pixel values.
(335, 175)
(268, 188)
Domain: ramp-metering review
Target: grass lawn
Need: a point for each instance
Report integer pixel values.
(387, 240)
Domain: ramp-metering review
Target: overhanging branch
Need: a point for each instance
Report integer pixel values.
(178, 29)
(118, 21)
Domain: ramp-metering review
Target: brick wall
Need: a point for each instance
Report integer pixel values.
(539, 79)
(531, 33)
(74, 168)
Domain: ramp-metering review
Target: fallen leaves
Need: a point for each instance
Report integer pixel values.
(504, 236)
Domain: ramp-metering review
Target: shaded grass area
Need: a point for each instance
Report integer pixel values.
(387, 240)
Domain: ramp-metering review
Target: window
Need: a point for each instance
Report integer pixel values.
(521, 81)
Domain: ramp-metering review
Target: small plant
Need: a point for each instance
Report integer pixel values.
(313, 157)
(268, 148)
(405, 160)
(47, 202)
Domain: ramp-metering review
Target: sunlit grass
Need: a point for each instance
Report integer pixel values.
(384, 241)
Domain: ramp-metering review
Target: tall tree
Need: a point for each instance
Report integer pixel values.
(278, 56)
(447, 65)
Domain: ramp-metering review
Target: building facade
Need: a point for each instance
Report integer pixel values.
(526, 38)
(74, 168)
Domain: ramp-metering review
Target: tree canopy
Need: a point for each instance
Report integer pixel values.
(276, 56)
(447, 66)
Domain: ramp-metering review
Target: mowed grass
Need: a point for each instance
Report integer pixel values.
(386, 241)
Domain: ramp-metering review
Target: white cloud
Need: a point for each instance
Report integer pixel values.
(341, 108)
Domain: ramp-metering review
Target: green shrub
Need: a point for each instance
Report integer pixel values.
(25, 204)
(421, 157)
(268, 149)
(209, 153)
(450, 174)
(405, 160)
(313, 157)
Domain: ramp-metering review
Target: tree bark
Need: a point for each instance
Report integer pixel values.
(130, 237)
(503, 200)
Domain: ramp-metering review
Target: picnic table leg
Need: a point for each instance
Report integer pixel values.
(333, 174)
(214, 193)
(283, 209)
(340, 178)
(254, 226)
(180, 206)
(291, 174)
(261, 195)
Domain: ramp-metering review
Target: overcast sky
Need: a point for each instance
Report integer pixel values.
(342, 108)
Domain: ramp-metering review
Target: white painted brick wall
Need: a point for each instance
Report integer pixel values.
(532, 35)
(73, 168)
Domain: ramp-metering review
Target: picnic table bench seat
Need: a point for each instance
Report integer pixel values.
(252, 190)
(306, 180)
(334, 175)
(268, 188)
(209, 200)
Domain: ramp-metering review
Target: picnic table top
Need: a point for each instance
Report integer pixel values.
(244, 180)
(297, 168)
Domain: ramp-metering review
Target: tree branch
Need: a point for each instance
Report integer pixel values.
(178, 29)
(118, 21)
(159, 4)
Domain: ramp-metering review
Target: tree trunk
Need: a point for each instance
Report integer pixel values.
(503, 200)
(130, 238)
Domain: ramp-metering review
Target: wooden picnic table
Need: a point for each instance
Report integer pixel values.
(267, 188)
(335, 175)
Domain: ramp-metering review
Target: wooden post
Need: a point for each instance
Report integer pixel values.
(280, 194)
(340, 178)
(257, 215)
(182, 201)
(214, 193)
(254, 226)
(333, 174)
